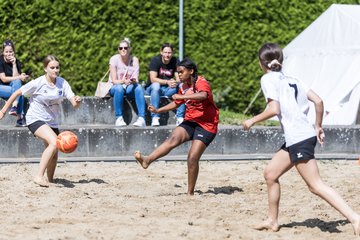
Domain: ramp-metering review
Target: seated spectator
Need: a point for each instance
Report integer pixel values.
(124, 74)
(164, 81)
(11, 80)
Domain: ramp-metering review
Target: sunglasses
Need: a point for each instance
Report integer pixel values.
(125, 48)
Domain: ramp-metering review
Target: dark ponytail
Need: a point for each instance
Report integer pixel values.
(271, 57)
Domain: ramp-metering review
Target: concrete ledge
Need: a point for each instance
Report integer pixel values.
(97, 111)
(104, 142)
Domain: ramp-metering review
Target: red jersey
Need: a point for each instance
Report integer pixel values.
(204, 112)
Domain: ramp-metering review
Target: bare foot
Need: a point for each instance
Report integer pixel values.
(356, 226)
(266, 225)
(141, 160)
(41, 182)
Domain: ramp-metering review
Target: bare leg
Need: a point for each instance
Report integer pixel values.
(177, 137)
(196, 150)
(49, 137)
(51, 167)
(279, 164)
(310, 173)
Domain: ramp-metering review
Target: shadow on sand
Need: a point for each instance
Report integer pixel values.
(221, 190)
(71, 184)
(330, 227)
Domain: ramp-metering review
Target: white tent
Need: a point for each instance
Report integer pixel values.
(326, 56)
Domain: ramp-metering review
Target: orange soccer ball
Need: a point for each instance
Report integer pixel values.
(67, 141)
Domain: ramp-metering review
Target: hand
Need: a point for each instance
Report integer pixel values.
(127, 82)
(247, 124)
(2, 114)
(24, 77)
(176, 96)
(172, 83)
(12, 59)
(77, 99)
(152, 109)
(320, 134)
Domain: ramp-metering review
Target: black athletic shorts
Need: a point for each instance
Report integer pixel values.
(196, 132)
(35, 125)
(301, 151)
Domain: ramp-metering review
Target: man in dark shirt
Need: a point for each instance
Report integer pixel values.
(164, 81)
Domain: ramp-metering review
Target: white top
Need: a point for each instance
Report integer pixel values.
(294, 105)
(45, 100)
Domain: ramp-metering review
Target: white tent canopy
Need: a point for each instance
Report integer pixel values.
(326, 56)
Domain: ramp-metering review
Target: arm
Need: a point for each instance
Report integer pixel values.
(154, 78)
(75, 101)
(6, 79)
(113, 75)
(319, 111)
(273, 109)
(134, 78)
(200, 96)
(9, 102)
(166, 108)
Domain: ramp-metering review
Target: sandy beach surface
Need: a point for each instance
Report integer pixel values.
(120, 200)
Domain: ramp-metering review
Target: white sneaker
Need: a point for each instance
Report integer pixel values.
(120, 122)
(155, 122)
(140, 122)
(179, 120)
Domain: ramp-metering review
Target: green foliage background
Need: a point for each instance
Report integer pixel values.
(221, 36)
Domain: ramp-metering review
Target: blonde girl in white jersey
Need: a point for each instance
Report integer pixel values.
(288, 98)
(46, 93)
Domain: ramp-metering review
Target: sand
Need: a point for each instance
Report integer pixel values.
(120, 200)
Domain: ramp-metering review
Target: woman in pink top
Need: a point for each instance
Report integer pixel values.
(124, 74)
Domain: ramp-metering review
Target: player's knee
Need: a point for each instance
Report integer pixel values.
(269, 176)
(315, 188)
(173, 141)
(52, 146)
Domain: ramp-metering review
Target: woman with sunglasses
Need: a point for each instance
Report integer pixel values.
(11, 79)
(46, 94)
(200, 124)
(124, 74)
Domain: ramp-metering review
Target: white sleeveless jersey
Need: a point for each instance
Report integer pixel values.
(294, 105)
(45, 100)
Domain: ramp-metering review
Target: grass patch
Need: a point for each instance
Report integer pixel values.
(233, 118)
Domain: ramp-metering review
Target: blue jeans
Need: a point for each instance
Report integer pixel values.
(133, 90)
(155, 90)
(7, 90)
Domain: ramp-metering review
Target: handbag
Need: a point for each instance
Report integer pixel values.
(102, 89)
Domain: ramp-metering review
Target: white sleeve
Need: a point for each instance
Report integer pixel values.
(304, 86)
(269, 86)
(29, 88)
(68, 93)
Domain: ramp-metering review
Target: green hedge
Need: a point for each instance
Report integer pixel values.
(222, 37)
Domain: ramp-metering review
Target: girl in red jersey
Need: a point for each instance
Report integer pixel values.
(200, 124)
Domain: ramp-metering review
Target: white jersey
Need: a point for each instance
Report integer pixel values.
(45, 100)
(294, 105)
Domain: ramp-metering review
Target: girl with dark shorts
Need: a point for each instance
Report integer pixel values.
(288, 98)
(46, 93)
(200, 124)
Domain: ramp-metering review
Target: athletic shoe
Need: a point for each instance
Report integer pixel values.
(120, 122)
(140, 122)
(179, 120)
(155, 122)
(20, 122)
(13, 111)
